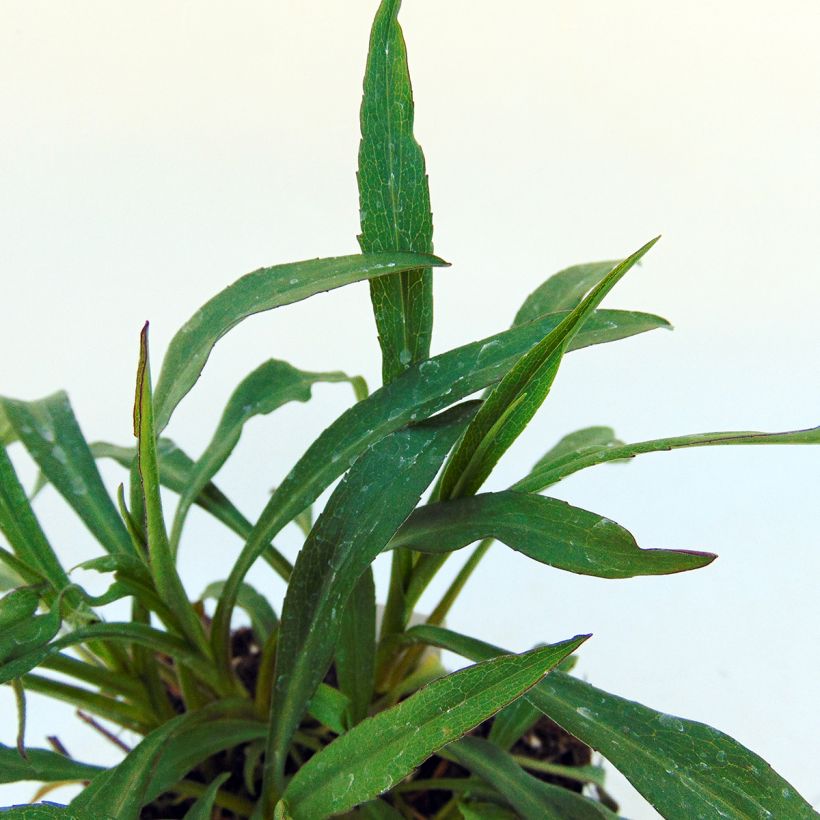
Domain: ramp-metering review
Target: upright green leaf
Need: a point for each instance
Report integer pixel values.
(356, 650)
(563, 290)
(422, 390)
(533, 799)
(267, 388)
(546, 530)
(368, 506)
(682, 767)
(262, 290)
(50, 432)
(42, 765)
(203, 808)
(380, 751)
(509, 407)
(160, 558)
(394, 198)
(546, 473)
(263, 618)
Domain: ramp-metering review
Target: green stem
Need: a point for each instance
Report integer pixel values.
(449, 598)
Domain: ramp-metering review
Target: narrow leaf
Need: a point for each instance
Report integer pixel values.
(533, 799)
(368, 506)
(356, 649)
(42, 765)
(509, 407)
(160, 558)
(263, 618)
(682, 767)
(394, 198)
(563, 290)
(330, 707)
(49, 431)
(203, 808)
(422, 390)
(262, 290)
(581, 442)
(267, 388)
(544, 475)
(380, 751)
(544, 529)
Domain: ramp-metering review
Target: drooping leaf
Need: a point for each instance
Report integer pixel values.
(682, 767)
(394, 198)
(545, 529)
(532, 798)
(422, 390)
(356, 650)
(203, 808)
(42, 765)
(380, 751)
(581, 442)
(512, 403)
(368, 506)
(50, 433)
(563, 290)
(261, 290)
(263, 618)
(160, 557)
(267, 388)
(544, 475)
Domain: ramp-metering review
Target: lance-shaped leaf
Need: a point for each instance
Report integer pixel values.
(42, 765)
(204, 806)
(263, 618)
(509, 407)
(380, 751)
(581, 442)
(262, 290)
(375, 497)
(267, 388)
(563, 290)
(160, 558)
(50, 433)
(394, 198)
(532, 798)
(545, 474)
(544, 529)
(682, 767)
(422, 390)
(356, 651)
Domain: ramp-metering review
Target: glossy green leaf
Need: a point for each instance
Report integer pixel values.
(42, 765)
(394, 198)
(19, 605)
(261, 290)
(50, 433)
(267, 388)
(533, 799)
(581, 442)
(28, 635)
(380, 751)
(45, 811)
(203, 808)
(330, 707)
(364, 511)
(356, 650)
(544, 529)
(263, 618)
(563, 290)
(682, 767)
(422, 390)
(160, 557)
(512, 403)
(544, 475)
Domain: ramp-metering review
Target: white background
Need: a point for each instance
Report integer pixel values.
(153, 152)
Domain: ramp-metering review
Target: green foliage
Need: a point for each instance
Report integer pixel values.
(320, 712)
